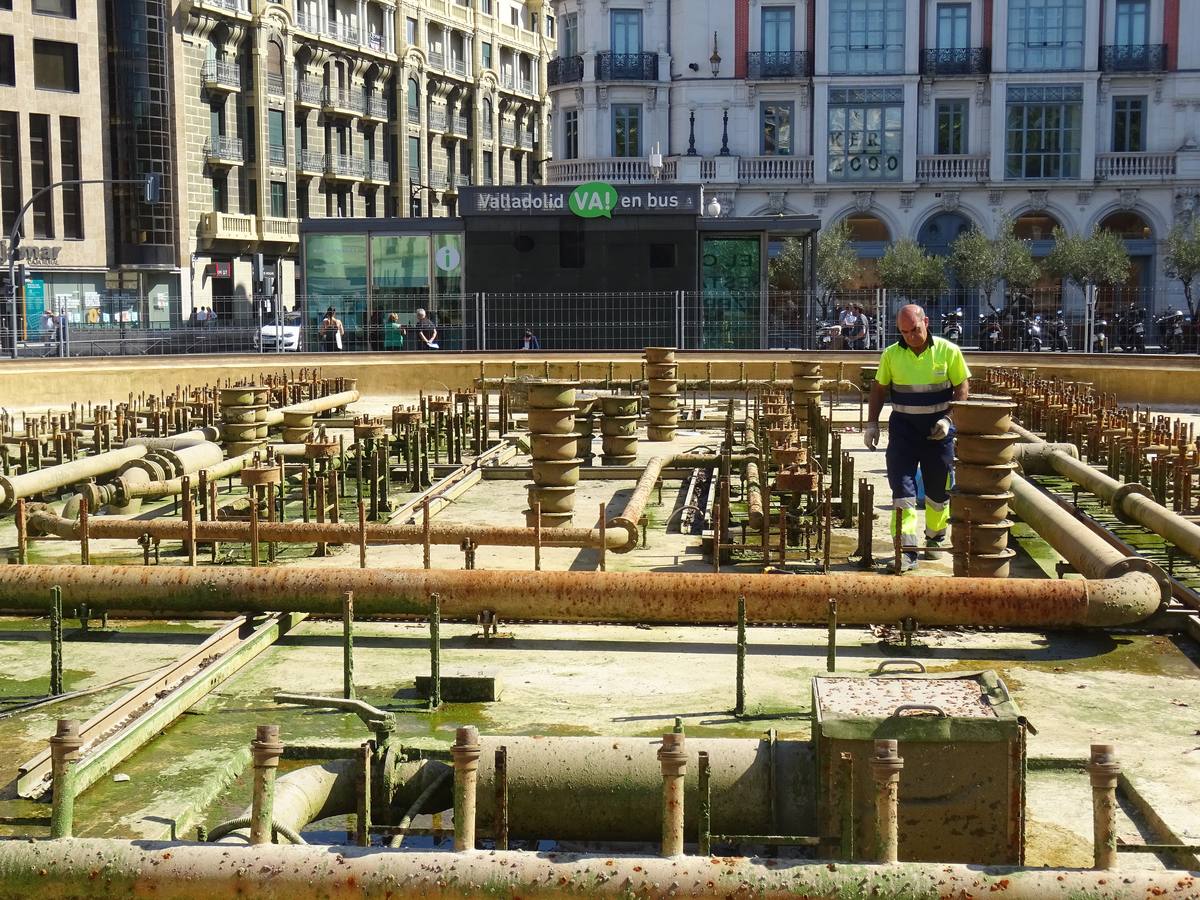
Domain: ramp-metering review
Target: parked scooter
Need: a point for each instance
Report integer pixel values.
(1058, 333)
(828, 335)
(1029, 333)
(1131, 329)
(1172, 326)
(991, 335)
(1100, 336)
(952, 325)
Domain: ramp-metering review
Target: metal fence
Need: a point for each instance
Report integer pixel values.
(705, 320)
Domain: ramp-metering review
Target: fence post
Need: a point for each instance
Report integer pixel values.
(481, 321)
(679, 320)
(764, 311)
(881, 306)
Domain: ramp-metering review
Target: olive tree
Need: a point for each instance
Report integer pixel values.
(981, 263)
(1098, 259)
(837, 263)
(907, 268)
(1183, 258)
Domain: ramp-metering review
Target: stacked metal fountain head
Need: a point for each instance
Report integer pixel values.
(619, 429)
(553, 445)
(806, 389)
(244, 418)
(585, 426)
(983, 473)
(661, 370)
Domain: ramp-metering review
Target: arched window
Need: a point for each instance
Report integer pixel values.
(1035, 226)
(275, 58)
(866, 227)
(1128, 225)
(414, 99)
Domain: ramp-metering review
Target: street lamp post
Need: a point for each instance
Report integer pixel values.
(150, 185)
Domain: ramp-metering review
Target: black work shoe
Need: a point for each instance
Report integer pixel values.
(932, 546)
(908, 561)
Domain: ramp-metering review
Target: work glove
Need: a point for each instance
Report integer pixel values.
(941, 430)
(871, 435)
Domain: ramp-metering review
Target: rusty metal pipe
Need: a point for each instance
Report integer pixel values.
(265, 750)
(465, 753)
(44, 521)
(1091, 556)
(316, 405)
(1104, 772)
(96, 868)
(672, 755)
(753, 490)
(177, 441)
(886, 765)
(631, 515)
(664, 597)
(13, 487)
(307, 795)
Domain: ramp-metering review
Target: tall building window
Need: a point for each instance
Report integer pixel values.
(72, 194)
(279, 203)
(277, 147)
(1045, 35)
(250, 134)
(40, 175)
(410, 31)
(776, 128)
(8, 67)
(489, 167)
(55, 66)
(954, 26)
(866, 134)
(627, 129)
(62, 8)
(485, 55)
(626, 31)
(302, 199)
(778, 29)
(414, 101)
(1133, 23)
(568, 44)
(220, 198)
(951, 127)
(571, 134)
(1043, 131)
(550, 27)
(1129, 125)
(414, 159)
(866, 36)
(10, 169)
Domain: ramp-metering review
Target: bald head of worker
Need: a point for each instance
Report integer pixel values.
(913, 325)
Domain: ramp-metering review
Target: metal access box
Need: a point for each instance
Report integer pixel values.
(962, 789)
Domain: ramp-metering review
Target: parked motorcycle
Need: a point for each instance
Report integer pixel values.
(952, 325)
(1172, 325)
(1029, 333)
(1100, 336)
(991, 335)
(1058, 333)
(828, 335)
(1131, 329)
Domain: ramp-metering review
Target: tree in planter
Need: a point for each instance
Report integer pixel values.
(1183, 259)
(980, 263)
(786, 270)
(837, 264)
(1095, 260)
(907, 268)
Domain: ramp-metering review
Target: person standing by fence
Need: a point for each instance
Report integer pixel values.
(426, 332)
(331, 331)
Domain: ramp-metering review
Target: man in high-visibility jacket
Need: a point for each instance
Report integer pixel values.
(921, 374)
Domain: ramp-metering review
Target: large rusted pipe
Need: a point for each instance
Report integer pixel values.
(45, 521)
(96, 868)
(1091, 555)
(754, 497)
(307, 795)
(177, 441)
(13, 487)
(662, 597)
(316, 405)
(631, 515)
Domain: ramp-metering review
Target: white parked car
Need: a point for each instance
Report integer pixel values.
(287, 336)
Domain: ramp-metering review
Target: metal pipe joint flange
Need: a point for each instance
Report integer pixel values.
(1126, 490)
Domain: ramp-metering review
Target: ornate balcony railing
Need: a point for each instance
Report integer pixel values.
(1133, 58)
(311, 161)
(508, 81)
(352, 101)
(437, 59)
(438, 178)
(460, 126)
(956, 61)
(526, 85)
(344, 165)
(778, 64)
(1135, 166)
(219, 226)
(220, 74)
(459, 67)
(616, 169)
(626, 66)
(274, 84)
(794, 169)
(564, 70)
(277, 155)
(377, 170)
(377, 107)
(223, 149)
(437, 119)
(508, 135)
(414, 114)
(309, 92)
(526, 140)
(952, 168)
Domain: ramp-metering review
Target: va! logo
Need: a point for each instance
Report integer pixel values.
(593, 200)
